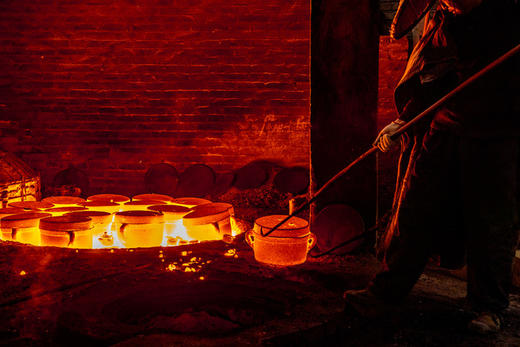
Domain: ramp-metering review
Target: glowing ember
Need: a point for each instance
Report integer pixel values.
(23, 273)
(231, 252)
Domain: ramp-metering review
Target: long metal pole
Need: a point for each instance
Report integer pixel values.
(401, 130)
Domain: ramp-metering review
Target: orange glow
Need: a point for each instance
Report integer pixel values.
(287, 245)
(23, 273)
(105, 229)
(231, 252)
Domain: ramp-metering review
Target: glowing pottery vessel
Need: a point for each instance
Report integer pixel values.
(22, 227)
(287, 245)
(100, 220)
(66, 231)
(209, 221)
(139, 228)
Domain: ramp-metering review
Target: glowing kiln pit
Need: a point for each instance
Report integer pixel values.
(115, 221)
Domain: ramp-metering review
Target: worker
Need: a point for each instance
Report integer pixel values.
(457, 180)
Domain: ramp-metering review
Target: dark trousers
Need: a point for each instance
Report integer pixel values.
(456, 192)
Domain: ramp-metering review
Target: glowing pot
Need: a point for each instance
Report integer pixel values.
(100, 220)
(66, 231)
(209, 221)
(140, 228)
(22, 227)
(287, 245)
(172, 217)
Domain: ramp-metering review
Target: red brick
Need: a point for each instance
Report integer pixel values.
(112, 86)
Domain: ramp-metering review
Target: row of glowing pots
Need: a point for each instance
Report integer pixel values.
(109, 220)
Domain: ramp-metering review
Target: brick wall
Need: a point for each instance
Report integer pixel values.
(113, 86)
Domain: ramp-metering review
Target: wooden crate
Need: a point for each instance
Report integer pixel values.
(18, 181)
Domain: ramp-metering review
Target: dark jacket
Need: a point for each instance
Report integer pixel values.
(454, 47)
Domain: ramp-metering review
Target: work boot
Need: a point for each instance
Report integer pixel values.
(366, 304)
(486, 323)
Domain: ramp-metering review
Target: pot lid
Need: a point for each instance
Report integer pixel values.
(99, 203)
(117, 198)
(190, 202)
(215, 206)
(23, 220)
(158, 197)
(294, 227)
(31, 205)
(143, 203)
(138, 217)
(207, 214)
(65, 209)
(66, 223)
(170, 211)
(64, 200)
(98, 217)
(10, 210)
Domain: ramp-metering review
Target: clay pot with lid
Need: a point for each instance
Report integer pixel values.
(209, 221)
(172, 216)
(287, 245)
(66, 231)
(139, 228)
(100, 220)
(22, 227)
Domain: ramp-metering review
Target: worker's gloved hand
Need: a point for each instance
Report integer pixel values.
(383, 141)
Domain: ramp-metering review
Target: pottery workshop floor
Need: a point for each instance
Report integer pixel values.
(216, 294)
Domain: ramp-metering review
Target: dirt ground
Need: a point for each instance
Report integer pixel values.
(53, 296)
